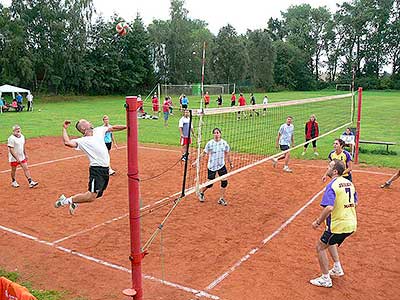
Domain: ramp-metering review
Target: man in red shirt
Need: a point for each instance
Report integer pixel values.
(242, 102)
(156, 105)
(233, 99)
(206, 99)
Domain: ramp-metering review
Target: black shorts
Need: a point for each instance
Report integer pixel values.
(98, 180)
(284, 147)
(108, 145)
(233, 103)
(329, 238)
(184, 106)
(211, 175)
(314, 143)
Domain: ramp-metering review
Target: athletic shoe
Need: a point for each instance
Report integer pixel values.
(14, 184)
(111, 172)
(303, 153)
(222, 202)
(321, 281)
(274, 162)
(72, 208)
(33, 184)
(386, 185)
(60, 201)
(316, 153)
(287, 169)
(336, 272)
(201, 197)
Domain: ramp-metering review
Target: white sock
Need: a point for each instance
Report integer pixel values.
(66, 201)
(337, 265)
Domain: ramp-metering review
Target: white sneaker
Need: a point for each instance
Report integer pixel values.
(287, 169)
(201, 197)
(222, 201)
(321, 281)
(274, 162)
(303, 153)
(60, 201)
(316, 153)
(336, 272)
(111, 172)
(14, 184)
(72, 208)
(33, 184)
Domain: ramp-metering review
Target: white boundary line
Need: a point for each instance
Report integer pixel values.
(108, 264)
(263, 243)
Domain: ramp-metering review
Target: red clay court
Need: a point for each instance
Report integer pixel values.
(261, 246)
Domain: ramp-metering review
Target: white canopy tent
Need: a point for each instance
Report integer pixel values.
(6, 88)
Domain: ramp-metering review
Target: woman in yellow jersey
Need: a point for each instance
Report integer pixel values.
(339, 214)
(343, 155)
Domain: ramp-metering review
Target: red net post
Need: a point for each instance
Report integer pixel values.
(133, 191)
(358, 124)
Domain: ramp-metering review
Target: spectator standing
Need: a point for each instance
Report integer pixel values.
(311, 132)
(265, 102)
(29, 97)
(206, 100)
(233, 99)
(219, 100)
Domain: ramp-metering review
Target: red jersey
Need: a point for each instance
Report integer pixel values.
(154, 100)
(207, 99)
(311, 129)
(233, 98)
(242, 101)
(165, 106)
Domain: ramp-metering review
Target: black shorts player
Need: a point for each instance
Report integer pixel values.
(98, 180)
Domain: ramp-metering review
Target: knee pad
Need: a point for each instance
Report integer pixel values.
(224, 183)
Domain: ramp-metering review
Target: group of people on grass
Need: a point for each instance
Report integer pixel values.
(16, 104)
(338, 203)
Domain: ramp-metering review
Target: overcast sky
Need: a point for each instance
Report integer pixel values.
(241, 14)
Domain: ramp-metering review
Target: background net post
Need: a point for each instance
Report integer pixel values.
(358, 124)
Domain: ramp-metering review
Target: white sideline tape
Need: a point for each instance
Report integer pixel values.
(108, 264)
(263, 242)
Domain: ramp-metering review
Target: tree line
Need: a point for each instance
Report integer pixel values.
(58, 46)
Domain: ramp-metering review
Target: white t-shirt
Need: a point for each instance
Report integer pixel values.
(216, 154)
(265, 100)
(18, 144)
(184, 124)
(286, 132)
(95, 148)
(29, 97)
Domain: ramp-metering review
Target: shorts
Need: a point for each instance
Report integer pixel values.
(108, 145)
(16, 164)
(349, 177)
(98, 180)
(284, 147)
(156, 108)
(329, 238)
(314, 143)
(206, 102)
(185, 141)
(166, 116)
(221, 172)
(184, 106)
(233, 103)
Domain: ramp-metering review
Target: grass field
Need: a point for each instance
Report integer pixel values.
(379, 114)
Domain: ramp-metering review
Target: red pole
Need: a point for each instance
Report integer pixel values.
(134, 206)
(358, 123)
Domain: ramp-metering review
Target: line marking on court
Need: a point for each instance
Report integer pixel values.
(110, 265)
(90, 229)
(81, 155)
(263, 243)
(353, 171)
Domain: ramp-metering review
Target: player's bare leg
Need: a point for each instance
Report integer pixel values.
(393, 178)
(337, 267)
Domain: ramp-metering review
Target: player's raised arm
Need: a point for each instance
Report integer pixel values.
(66, 139)
(117, 128)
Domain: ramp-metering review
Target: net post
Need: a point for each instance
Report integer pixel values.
(358, 124)
(136, 256)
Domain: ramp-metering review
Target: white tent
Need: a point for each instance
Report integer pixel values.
(12, 89)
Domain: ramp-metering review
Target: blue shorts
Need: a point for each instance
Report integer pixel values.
(166, 116)
(284, 147)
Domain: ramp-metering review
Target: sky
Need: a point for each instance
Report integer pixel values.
(242, 15)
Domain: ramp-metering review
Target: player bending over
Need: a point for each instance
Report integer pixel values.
(92, 144)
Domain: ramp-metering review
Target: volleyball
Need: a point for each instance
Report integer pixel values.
(122, 28)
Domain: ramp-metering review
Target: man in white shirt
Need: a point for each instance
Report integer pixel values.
(29, 97)
(92, 144)
(284, 141)
(17, 156)
(217, 150)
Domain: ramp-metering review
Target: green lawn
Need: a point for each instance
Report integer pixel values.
(380, 109)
